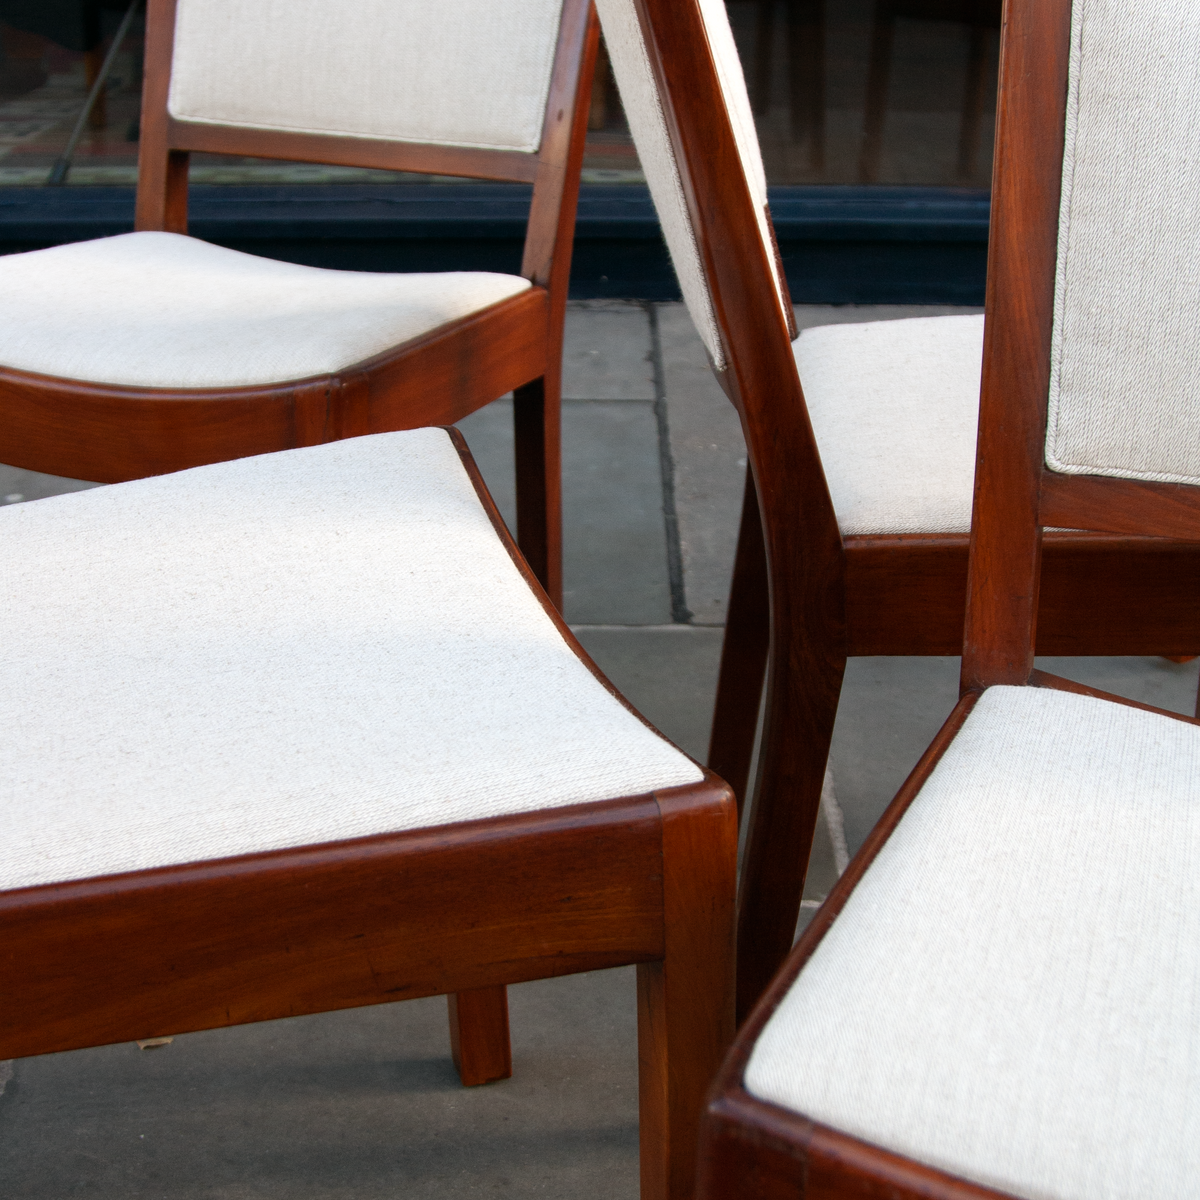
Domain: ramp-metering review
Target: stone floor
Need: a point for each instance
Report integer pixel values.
(365, 1103)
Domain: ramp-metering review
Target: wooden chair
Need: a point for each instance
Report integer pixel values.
(861, 442)
(297, 354)
(301, 732)
(981, 17)
(999, 996)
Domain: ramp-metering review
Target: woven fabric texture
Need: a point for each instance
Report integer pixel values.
(644, 110)
(284, 650)
(1012, 992)
(895, 409)
(457, 73)
(1125, 365)
(164, 310)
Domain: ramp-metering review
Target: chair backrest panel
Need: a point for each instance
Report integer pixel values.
(467, 73)
(639, 95)
(1125, 359)
(1090, 334)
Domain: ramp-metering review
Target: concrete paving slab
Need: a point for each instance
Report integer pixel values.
(606, 351)
(357, 1105)
(17, 485)
(667, 672)
(614, 542)
(709, 459)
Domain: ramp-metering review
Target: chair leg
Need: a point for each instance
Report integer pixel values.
(537, 433)
(743, 655)
(685, 1001)
(479, 1041)
(802, 702)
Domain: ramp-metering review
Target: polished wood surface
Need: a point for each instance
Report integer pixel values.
(753, 1148)
(1120, 505)
(465, 908)
(462, 909)
(1022, 248)
(108, 433)
(799, 530)
(815, 598)
(480, 1044)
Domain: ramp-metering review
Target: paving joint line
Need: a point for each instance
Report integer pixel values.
(680, 613)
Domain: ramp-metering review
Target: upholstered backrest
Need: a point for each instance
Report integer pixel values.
(1125, 363)
(470, 73)
(644, 109)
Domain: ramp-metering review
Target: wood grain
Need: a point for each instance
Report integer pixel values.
(1023, 590)
(479, 1037)
(1026, 184)
(1120, 505)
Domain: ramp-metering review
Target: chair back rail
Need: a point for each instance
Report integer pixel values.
(1081, 425)
(668, 65)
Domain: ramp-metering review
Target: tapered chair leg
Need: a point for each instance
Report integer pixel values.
(743, 655)
(685, 1001)
(537, 432)
(479, 1040)
(797, 730)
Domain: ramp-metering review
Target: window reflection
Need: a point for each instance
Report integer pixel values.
(844, 91)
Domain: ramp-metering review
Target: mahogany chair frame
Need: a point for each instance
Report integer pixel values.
(804, 598)
(111, 433)
(750, 1147)
(437, 378)
(466, 908)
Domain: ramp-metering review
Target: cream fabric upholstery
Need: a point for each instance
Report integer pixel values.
(457, 72)
(301, 647)
(644, 109)
(895, 408)
(163, 310)
(1126, 346)
(1012, 993)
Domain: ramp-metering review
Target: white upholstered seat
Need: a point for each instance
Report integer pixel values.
(301, 647)
(1012, 992)
(895, 409)
(168, 311)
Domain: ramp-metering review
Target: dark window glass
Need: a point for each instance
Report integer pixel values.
(844, 91)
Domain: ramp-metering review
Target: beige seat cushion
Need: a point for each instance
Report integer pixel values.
(164, 310)
(895, 409)
(1012, 992)
(284, 650)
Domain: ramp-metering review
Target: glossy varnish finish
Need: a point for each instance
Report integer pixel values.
(465, 908)
(815, 598)
(109, 433)
(757, 1149)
